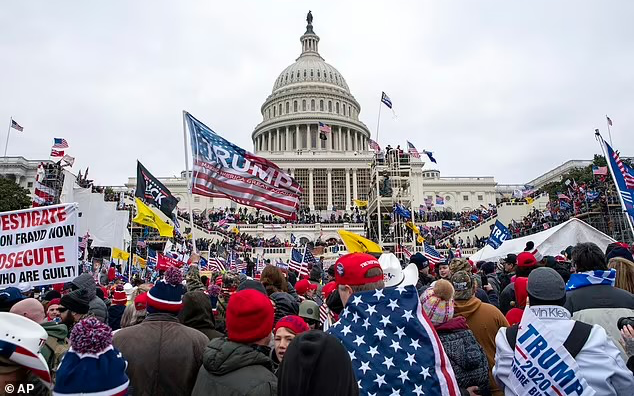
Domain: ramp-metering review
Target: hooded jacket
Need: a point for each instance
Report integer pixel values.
(285, 305)
(467, 357)
(198, 314)
(233, 369)
(163, 355)
(97, 306)
(316, 364)
(484, 320)
(599, 360)
(56, 344)
(115, 312)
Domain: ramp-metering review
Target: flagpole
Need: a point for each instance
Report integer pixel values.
(189, 185)
(378, 122)
(607, 121)
(6, 145)
(602, 144)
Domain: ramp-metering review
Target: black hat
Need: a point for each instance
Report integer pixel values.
(510, 259)
(76, 301)
(252, 284)
(421, 261)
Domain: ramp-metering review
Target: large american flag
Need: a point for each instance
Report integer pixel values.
(222, 169)
(625, 170)
(325, 128)
(217, 264)
(432, 255)
(412, 150)
(60, 143)
(375, 146)
(392, 345)
(624, 179)
(297, 262)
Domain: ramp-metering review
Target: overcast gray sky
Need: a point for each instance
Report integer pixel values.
(509, 89)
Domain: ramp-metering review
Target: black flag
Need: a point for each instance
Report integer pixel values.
(153, 191)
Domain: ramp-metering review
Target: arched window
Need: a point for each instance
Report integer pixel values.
(273, 111)
(298, 74)
(295, 106)
(304, 105)
(312, 105)
(311, 73)
(329, 106)
(337, 107)
(286, 78)
(318, 73)
(288, 107)
(344, 109)
(269, 113)
(280, 109)
(321, 105)
(349, 111)
(304, 73)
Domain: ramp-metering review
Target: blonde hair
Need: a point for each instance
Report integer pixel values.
(624, 273)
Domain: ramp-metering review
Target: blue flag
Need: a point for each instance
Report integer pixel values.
(392, 345)
(430, 155)
(474, 217)
(401, 211)
(499, 234)
(623, 178)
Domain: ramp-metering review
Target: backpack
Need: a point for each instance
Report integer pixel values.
(58, 349)
(573, 344)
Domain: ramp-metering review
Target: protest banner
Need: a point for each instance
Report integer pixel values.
(499, 234)
(39, 245)
(542, 367)
(164, 262)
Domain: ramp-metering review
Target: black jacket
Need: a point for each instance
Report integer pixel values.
(198, 314)
(232, 369)
(507, 298)
(115, 312)
(285, 304)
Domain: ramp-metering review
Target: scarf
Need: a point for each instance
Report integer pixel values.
(590, 278)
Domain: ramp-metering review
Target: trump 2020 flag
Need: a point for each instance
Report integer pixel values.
(499, 234)
(222, 169)
(393, 346)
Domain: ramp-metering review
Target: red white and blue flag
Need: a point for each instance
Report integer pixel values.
(324, 128)
(224, 170)
(217, 264)
(432, 255)
(297, 262)
(393, 346)
(60, 143)
(412, 150)
(16, 126)
(57, 153)
(375, 146)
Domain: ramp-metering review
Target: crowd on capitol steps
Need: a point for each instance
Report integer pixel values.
(369, 324)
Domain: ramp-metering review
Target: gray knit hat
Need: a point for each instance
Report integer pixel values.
(546, 284)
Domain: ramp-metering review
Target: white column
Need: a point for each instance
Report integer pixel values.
(354, 184)
(329, 189)
(348, 139)
(348, 189)
(298, 140)
(288, 139)
(311, 199)
(278, 144)
(356, 140)
(269, 135)
(309, 142)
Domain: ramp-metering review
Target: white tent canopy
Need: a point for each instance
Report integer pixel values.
(549, 243)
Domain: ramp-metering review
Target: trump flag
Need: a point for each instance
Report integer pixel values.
(224, 170)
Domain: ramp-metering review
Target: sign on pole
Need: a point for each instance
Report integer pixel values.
(39, 245)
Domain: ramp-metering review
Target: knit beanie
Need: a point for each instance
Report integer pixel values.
(51, 294)
(619, 251)
(438, 302)
(91, 365)
(249, 317)
(76, 301)
(294, 323)
(167, 295)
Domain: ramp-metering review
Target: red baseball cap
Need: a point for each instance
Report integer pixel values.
(328, 289)
(304, 285)
(526, 260)
(352, 268)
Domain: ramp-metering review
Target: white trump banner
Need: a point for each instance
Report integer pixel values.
(38, 245)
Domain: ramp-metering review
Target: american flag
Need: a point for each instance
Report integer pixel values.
(386, 100)
(392, 345)
(152, 258)
(222, 169)
(402, 249)
(43, 195)
(432, 255)
(375, 146)
(459, 252)
(217, 264)
(16, 126)
(412, 150)
(60, 143)
(297, 262)
(57, 153)
(609, 120)
(626, 171)
(324, 128)
(309, 258)
(84, 241)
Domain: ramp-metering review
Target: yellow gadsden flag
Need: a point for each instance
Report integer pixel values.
(140, 261)
(361, 203)
(357, 244)
(120, 254)
(147, 217)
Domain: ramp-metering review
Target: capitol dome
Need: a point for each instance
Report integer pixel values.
(305, 95)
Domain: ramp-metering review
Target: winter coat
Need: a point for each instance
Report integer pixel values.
(96, 307)
(484, 320)
(232, 369)
(193, 280)
(602, 305)
(505, 279)
(467, 357)
(198, 314)
(285, 305)
(115, 312)
(163, 355)
(599, 360)
(493, 280)
(56, 344)
(507, 298)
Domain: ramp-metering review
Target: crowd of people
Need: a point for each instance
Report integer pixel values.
(278, 333)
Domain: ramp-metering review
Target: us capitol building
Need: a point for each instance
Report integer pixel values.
(335, 171)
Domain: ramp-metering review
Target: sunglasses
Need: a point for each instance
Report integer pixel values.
(62, 309)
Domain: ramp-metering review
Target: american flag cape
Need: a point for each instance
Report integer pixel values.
(222, 169)
(393, 346)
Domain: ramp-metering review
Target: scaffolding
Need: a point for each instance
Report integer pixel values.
(390, 186)
(53, 178)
